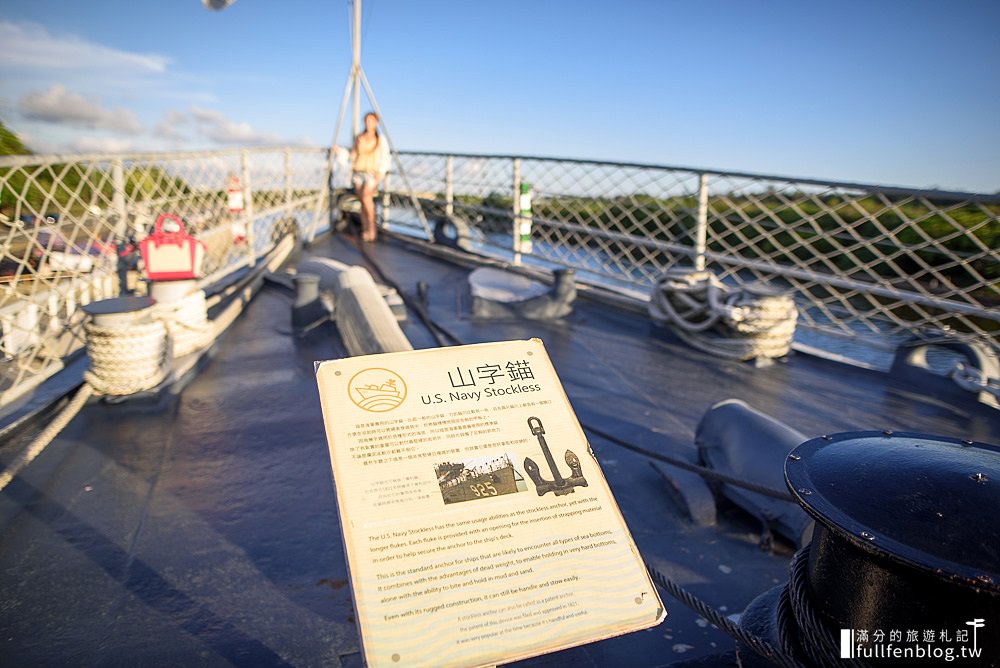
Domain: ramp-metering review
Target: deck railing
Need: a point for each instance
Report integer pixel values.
(64, 219)
(864, 261)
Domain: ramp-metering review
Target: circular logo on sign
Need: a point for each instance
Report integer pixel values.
(377, 390)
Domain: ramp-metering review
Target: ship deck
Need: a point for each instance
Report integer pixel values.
(201, 529)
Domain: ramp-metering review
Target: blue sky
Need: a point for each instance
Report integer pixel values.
(901, 92)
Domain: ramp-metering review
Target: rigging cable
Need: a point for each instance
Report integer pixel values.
(441, 335)
(800, 629)
(688, 466)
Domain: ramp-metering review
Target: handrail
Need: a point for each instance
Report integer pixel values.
(46, 158)
(860, 257)
(102, 203)
(851, 185)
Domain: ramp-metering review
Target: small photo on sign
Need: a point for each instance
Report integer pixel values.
(479, 478)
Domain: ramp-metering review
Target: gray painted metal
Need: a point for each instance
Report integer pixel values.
(365, 321)
(736, 439)
(503, 294)
(691, 493)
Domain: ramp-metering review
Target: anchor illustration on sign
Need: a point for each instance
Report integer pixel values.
(558, 485)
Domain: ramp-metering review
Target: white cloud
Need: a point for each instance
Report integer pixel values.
(88, 144)
(29, 45)
(91, 144)
(62, 107)
(36, 145)
(60, 86)
(170, 126)
(213, 125)
(208, 124)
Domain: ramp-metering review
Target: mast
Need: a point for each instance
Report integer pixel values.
(356, 79)
(356, 69)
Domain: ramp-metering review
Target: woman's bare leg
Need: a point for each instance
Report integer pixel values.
(367, 197)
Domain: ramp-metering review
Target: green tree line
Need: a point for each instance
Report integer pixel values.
(72, 188)
(874, 235)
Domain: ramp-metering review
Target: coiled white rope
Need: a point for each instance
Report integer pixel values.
(184, 317)
(187, 321)
(127, 359)
(135, 357)
(731, 322)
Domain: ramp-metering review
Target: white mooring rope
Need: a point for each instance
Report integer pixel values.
(128, 359)
(46, 435)
(135, 357)
(187, 321)
(110, 375)
(731, 322)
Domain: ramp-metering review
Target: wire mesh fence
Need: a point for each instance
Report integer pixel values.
(863, 261)
(70, 226)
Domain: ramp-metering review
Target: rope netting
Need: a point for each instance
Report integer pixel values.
(862, 261)
(68, 223)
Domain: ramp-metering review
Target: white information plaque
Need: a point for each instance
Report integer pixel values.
(477, 524)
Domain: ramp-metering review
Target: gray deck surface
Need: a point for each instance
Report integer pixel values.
(203, 530)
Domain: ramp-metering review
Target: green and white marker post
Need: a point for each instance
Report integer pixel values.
(524, 219)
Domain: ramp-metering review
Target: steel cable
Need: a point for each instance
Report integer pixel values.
(695, 468)
(800, 629)
(441, 335)
(762, 647)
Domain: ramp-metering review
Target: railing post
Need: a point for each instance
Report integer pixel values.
(288, 176)
(701, 231)
(386, 198)
(449, 186)
(324, 193)
(516, 210)
(247, 200)
(118, 197)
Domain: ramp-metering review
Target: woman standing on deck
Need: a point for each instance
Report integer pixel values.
(369, 162)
